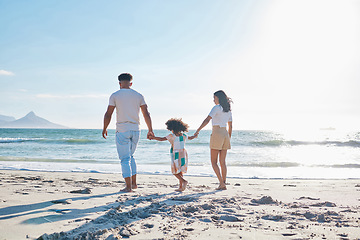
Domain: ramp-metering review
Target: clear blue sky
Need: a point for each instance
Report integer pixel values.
(284, 63)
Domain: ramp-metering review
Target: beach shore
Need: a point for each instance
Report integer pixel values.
(69, 205)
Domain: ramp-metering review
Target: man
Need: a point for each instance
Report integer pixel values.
(128, 103)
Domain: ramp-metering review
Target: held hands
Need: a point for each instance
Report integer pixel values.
(194, 136)
(150, 135)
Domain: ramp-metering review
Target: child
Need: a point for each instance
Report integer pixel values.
(179, 157)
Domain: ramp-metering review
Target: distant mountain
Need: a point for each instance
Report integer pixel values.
(4, 119)
(30, 121)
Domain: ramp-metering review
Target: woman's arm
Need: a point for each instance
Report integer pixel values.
(230, 128)
(204, 123)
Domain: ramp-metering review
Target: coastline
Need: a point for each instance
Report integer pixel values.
(35, 203)
(254, 154)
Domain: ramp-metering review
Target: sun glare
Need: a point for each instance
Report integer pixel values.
(299, 68)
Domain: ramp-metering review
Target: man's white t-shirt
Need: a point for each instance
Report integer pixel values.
(219, 117)
(127, 103)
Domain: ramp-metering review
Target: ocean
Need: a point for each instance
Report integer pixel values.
(322, 154)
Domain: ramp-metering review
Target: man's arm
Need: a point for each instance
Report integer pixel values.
(147, 119)
(107, 119)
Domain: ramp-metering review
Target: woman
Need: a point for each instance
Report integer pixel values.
(220, 137)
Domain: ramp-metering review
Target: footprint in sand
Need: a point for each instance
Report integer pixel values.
(82, 191)
(264, 200)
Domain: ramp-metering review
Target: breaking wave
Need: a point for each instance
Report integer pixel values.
(50, 141)
(278, 143)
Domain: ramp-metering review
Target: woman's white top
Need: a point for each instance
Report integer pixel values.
(219, 117)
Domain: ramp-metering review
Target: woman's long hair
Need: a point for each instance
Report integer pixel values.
(224, 101)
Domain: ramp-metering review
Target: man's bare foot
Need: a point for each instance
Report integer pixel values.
(126, 190)
(134, 186)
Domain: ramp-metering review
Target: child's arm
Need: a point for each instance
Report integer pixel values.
(158, 138)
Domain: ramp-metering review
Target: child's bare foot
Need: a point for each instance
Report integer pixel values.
(182, 187)
(126, 190)
(134, 186)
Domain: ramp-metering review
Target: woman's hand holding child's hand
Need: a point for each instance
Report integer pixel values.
(192, 137)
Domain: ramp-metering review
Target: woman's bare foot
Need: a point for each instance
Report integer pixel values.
(221, 187)
(126, 190)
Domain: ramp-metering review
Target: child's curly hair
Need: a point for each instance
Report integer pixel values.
(177, 125)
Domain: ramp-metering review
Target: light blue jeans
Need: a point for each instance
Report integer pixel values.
(126, 143)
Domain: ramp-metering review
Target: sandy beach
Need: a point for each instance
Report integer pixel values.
(68, 205)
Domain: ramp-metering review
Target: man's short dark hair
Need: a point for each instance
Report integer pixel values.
(125, 77)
